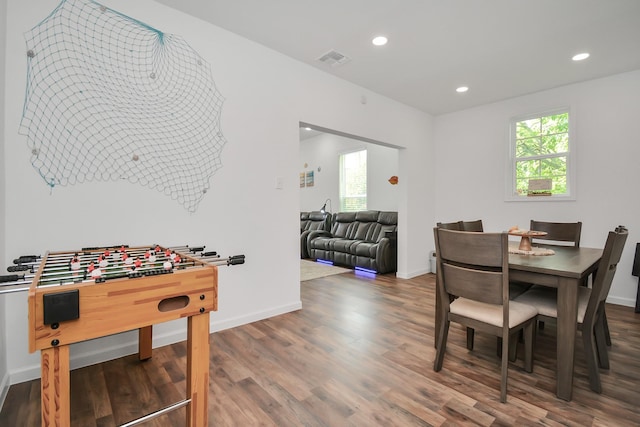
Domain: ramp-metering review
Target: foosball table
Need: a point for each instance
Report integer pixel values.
(80, 295)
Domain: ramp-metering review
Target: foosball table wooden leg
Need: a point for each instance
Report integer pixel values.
(55, 386)
(145, 342)
(198, 370)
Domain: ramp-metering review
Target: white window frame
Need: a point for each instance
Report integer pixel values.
(340, 171)
(511, 193)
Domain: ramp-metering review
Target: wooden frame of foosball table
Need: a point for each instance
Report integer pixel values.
(121, 305)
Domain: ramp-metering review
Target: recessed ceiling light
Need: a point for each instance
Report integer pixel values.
(307, 128)
(462, 89)
(379, 41)
(580, 56)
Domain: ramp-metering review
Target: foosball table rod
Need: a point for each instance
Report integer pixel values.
(10, 283)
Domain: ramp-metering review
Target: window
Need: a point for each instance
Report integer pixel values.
(353, 181)
(541, 157)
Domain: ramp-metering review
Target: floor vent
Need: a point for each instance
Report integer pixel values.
(334, 58)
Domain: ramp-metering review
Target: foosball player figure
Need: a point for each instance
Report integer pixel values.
(137, 263)
(96, 275)
(103, 262)
(74, 264)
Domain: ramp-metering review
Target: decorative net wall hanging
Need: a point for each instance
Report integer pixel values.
(110, 98)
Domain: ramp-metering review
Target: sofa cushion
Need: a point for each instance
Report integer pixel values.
(343, 224)
(366, 249)
(367, 216)
(388, 218)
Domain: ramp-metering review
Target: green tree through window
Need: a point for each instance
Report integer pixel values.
(540, 148)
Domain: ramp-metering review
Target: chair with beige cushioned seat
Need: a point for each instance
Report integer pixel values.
(473, 288)
(464, 226)
(591, 302)
(564, 233)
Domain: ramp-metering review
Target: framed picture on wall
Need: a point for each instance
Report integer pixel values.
(309, 179)
(302, 179)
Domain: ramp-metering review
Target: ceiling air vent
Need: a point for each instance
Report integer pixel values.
(334, 58)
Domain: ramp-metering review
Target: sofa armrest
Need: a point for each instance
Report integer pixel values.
(386, 253)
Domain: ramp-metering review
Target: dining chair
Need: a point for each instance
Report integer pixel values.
(563, 233)
(473, 281)
(557, 232)
(464, 226)
(450, 225)
(591, 303)
(472, 226)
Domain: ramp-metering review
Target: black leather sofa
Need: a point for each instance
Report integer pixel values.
(312, 221)
(366, 239)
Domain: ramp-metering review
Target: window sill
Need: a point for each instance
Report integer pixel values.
(540, 199)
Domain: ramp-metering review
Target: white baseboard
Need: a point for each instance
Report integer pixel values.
(254, 317)
(4, 389)
(411, 275)
(129, 343)
(627, 302)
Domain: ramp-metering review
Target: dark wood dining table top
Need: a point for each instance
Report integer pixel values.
(568, 261)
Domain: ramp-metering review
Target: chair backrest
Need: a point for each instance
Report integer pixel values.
(450, 225)
(473, 265)
(472, 225)
(567, 232)
(462, 225)
(606, 270)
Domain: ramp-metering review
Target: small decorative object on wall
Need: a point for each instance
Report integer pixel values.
(309, 179)
(110, 98)
(393, 180)
(302, 179)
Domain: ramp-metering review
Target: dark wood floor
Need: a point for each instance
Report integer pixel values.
(359, 353)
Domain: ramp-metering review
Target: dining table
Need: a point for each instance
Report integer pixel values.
(566, 269)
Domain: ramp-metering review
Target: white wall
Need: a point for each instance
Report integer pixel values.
(4, 373)
(267, 96)
(323, 152)
(472, 150)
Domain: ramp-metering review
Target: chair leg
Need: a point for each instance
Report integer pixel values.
(504, 369)
(529, 336)
(470, 334)
(607, 334)
(590, 351)
(513, 346)
(600, 337)
(442, 343)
